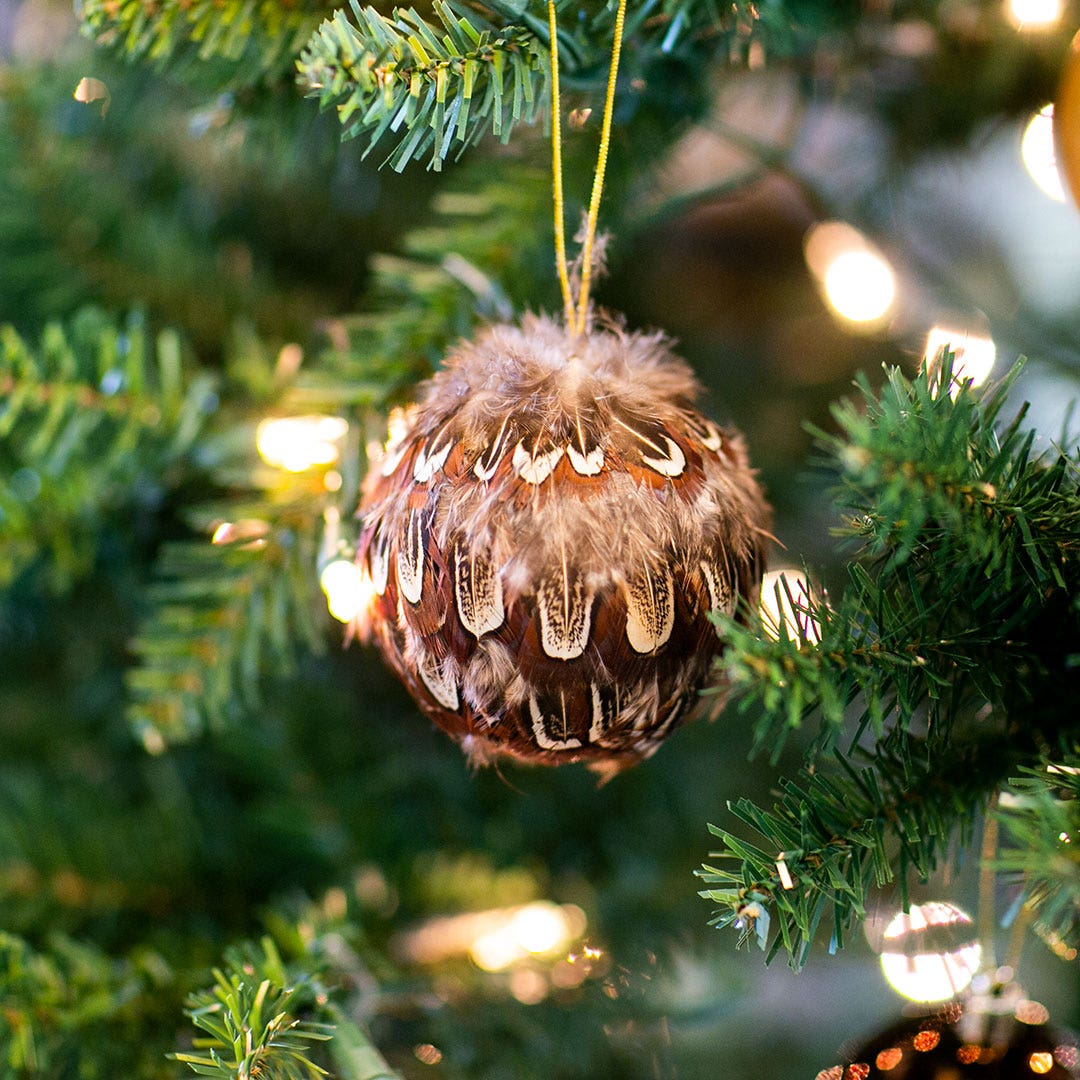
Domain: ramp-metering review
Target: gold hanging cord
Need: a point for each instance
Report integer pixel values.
(556, 171)
(576, 322)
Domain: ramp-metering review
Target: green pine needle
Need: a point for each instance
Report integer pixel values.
(263, 34)
(90, 416)
(950, 643)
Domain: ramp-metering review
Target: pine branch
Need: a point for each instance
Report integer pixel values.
(439, 85)
(959, 593)
(1040, 812)
(956, 626)
(835, 835)
(433, 87)
(262, 35)
(100, 209)
(259, 1019)
(251, 1027)
(223, 616)
(90, 418)
(70, 996)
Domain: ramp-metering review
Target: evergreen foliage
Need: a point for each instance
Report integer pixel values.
(256, 37)
(90, 420)
(250, 1024)
(57, 995)
(1041, 817)
(257, 1016)
(439, 85)
(951, 646)
(939, 675)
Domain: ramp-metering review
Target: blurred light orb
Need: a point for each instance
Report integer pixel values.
(779, 610)
(496, 950)
(974, 353)
(528, 985)
(541, 927)
(860, 286)
(1035, 14)
(1040, 156)
(299, 443)
(427, 1054)
(855, 278)
(348, 589)
(930, 953)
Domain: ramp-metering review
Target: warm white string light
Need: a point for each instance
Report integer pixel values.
(1034, 14)
(973, 354)
(854, 277)
(930, 952)
(299, 443)
(349, 591)
(1040, 155)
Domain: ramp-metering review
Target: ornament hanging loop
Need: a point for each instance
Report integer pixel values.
(577, 319)
(556, 172)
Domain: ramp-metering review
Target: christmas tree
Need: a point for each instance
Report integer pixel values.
(234, 237)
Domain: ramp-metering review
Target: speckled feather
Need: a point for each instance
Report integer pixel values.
(547, 536)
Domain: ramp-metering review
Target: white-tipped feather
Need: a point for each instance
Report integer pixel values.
(557, 481)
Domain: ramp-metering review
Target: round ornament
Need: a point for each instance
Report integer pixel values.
(546, 535)
(1067, 121)
(998, 1035)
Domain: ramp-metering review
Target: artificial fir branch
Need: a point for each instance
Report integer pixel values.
(251, 1027)
(952, 634)
(70, 995)
(840, 832)
(1040, 812)
(218, 620)
(434, 87)
(259, 1017)
(263, 34)
(91, 416)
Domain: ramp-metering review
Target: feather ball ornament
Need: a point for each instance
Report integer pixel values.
(546, 535)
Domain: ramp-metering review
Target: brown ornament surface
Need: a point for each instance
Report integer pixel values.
(937, 1048)
(546, 535)
(1067, 120)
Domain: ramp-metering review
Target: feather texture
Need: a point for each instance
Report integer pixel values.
(547, 533)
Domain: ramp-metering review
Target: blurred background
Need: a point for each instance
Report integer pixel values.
(824, 215)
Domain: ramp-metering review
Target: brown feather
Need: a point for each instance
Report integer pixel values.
(550, 531)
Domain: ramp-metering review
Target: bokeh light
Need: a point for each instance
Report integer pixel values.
(930, 952)
(783, 592)
(1039, 154)
(500, 939)
(1041, 1062)
(348, 589)
(299, 443)
(1034, 14)
(973, 353)
(854, 277)
(537, 929)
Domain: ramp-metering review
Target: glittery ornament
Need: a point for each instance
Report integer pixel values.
(547, 533)
(999, 1035)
